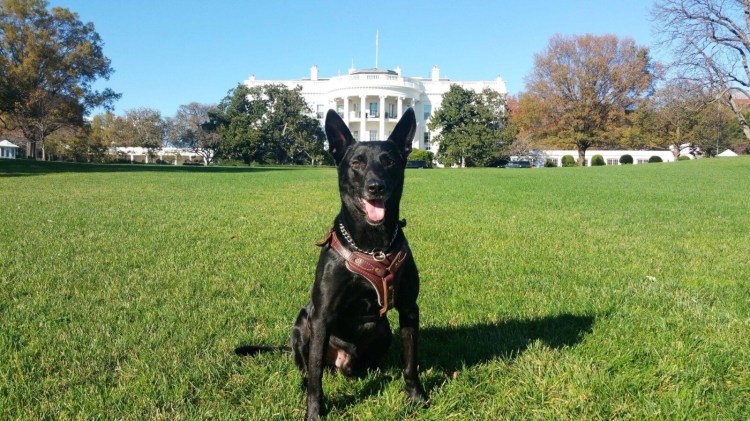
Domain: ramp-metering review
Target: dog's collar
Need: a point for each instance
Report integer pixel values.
(380, 271)
(377, 254)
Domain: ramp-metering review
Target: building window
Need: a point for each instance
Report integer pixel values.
(427, 141)
(374, 109)
(427, 111)
(355, 135)
(613, 161)
(642, 161)
(391, 111)
(320, 111)
(555, 161)
(373, 135)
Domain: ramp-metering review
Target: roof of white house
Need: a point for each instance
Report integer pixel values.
(6, 144)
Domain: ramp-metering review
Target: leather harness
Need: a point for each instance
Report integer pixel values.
(380, 272)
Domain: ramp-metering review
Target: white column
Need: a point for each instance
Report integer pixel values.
(362, 120)
(419, 138)
(346, 110)
(400, 107)
(382, 117)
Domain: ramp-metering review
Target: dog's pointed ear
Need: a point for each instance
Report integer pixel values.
(339, 136)
(403, 133)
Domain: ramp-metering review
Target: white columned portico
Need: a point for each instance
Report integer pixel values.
(382, 117)
(362, 119)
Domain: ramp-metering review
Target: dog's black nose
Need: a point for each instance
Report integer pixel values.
(376, 187)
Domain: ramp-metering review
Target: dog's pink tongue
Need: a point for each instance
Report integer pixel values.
(375, 209)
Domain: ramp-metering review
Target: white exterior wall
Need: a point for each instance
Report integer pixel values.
(352, 94)
(638, 156)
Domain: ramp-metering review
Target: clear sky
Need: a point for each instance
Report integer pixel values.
(166, 53)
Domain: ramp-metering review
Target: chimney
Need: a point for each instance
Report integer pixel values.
(435, 73)
(314, 73)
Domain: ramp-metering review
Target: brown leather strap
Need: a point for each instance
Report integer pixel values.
(380, 273)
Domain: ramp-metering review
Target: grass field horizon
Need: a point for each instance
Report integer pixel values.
(608, 292)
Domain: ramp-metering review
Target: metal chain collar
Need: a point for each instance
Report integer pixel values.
(376, 254)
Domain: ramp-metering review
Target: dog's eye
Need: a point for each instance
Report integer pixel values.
(358, 164)
(388, 162)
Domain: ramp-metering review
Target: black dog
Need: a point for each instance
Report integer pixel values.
(365, 268)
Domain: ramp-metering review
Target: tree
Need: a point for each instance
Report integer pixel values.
(683, 112)
(717, 129)
(49, 61)
(85, 146)
(269, 123)
(711, 42)
(582, 89)
(473, 127)
(143, 127)
(188, 130)
(109, 129)
(290, 133)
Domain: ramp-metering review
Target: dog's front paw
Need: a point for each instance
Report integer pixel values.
(417, 395)
(312, 414)
(314, 409)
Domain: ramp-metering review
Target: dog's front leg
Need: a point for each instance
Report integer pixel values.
(316, 360)
(409, 324)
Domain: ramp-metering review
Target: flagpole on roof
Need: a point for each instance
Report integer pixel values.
(376, 48)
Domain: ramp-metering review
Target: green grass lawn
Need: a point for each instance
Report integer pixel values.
(607, 292)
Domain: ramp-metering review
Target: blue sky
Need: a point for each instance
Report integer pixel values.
(167, 53)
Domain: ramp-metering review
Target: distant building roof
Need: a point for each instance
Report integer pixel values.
(6, 144)
(726, 153)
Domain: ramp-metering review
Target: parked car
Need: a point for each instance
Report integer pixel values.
(518, 164)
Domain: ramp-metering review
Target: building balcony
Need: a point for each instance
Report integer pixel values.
(357, 115)
(382, 81)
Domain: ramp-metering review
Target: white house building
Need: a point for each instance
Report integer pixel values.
(372, 100)
(8, 150)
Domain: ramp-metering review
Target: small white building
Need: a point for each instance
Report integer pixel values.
(8, 150)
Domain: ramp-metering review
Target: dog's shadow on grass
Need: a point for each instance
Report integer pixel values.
(448, 348)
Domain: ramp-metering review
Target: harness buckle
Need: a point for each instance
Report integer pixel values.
(378, 255)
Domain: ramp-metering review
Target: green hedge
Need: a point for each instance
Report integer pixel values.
(569, 161)
(422, 155)
(655, 159)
